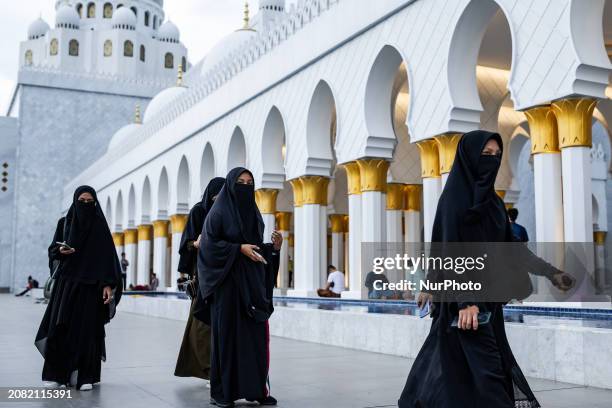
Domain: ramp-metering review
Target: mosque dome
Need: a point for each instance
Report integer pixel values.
(67, 17)
(124, 18)
(275, 5)
(122, 135)
(38, 28)
(169, 32)
(225, 47)
(161, 100)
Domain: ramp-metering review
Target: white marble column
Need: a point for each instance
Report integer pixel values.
(283, 223)
(353, 264)
(131, 254)
(395, 207)
(412, 212)
(299, 272)
(432, 184)
(160, 253)
(266, 201)
(177, 223)
(599, 239)
(337, 237)
(447, 149)
(144, 254)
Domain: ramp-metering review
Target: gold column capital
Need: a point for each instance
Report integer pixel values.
(430, 158)
(130, 236)
(337, 222)
(266, 200)
(447, 149)
(290, 240)
(543, 130)
(373, 174)
(178, 222)
(353, 178)
(574, 119)
(144, 232)
(160, 229)
(345, 220)
(118, 238)
(395, 196)
(599, 237)
(314, 189)
(298, 192)
(283, 221)
(413, 193)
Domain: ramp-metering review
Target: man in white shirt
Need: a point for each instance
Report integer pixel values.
(335, 283)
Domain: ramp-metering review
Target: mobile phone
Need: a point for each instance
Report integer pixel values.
(261, 258)
(425, 310)
(65, 245)
(483, 319)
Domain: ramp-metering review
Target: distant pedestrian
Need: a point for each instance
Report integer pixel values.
(518, 231)
(124, 267)
(335, 283)
(32, 284)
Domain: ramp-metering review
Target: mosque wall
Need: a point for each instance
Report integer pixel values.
(63, 131)
(8, 147)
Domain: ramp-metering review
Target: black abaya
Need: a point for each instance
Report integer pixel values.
(71, 334)
(241, 293)
(465, 368)
(194, 356)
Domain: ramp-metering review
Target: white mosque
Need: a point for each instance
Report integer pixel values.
(348, 112)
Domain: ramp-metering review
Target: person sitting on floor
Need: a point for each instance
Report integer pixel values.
(335, 283)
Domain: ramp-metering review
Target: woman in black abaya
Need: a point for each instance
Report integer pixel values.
(472, 366)
(237, 274)
(194, 356)
(87, 288)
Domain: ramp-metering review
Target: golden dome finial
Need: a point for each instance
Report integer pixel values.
(179, 77)
(246, 18)
(137, 115)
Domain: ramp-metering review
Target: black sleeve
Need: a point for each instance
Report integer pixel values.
(53, 251)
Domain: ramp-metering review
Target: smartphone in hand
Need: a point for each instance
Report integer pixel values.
(260, 257)
(63, 244)
(425, 310)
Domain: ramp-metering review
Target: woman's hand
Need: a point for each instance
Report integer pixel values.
(423, 298)
(248, 250)
(277, 240)
(107, 294)
(196, 243)
(65, 251)
(468, 318)
(563, 281)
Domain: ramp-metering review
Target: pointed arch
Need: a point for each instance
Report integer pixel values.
(207, 166)
(183, 186)
(273, 148)
(321, 128)
(237, 154)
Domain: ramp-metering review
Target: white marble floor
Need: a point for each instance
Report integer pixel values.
(142, 353)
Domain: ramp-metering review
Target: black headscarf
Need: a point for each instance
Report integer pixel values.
(469, 209)
(95, 257)
(195, 223)
(233, 220)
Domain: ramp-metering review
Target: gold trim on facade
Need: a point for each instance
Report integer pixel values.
(373, 174)
(118, 239)
(314, 189)
(298, 192)
(447, 149)
(599, 237)
(501, 193)
(145, 232)
(395, 196)
(337, 223)
(412, 194)
(574, 120)
(346, 223)
(130, 236)
(543, 130)
(283, 221)
(160, 229)
(430, 158)
(290, 240)
(266, 200)
(353, 178)
(178, 222)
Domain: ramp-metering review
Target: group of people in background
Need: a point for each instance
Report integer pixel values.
(232, 274)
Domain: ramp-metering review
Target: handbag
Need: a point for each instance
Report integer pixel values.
(50, 283)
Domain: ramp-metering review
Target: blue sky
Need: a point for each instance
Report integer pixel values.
(202, 23)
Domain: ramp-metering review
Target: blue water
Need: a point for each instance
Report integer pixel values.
(541, 316)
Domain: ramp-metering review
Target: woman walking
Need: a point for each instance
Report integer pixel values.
(87, 288)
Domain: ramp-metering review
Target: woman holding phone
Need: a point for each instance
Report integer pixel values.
(237, 272)
(87, 288)
(463, 363)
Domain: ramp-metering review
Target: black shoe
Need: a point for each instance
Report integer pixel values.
(220, 403)
(269, 400)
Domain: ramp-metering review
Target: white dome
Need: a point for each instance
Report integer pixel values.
(169, 32)
(67, 17)
(225, 47)
(277, 5)
(122, 135)
(124, 18)
(38, 28)
(162, 100)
